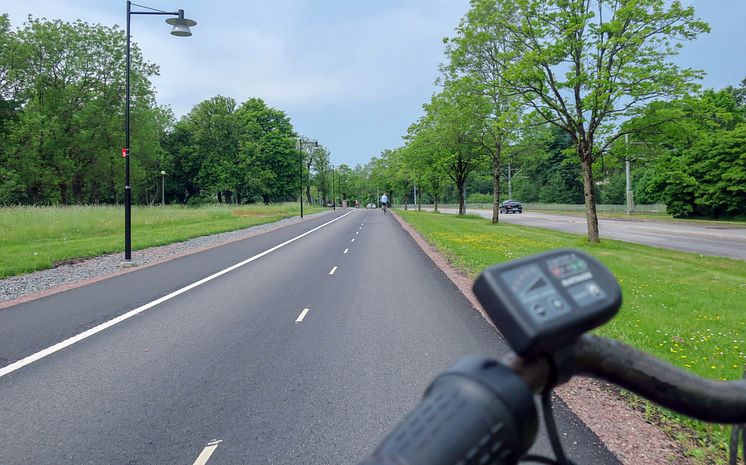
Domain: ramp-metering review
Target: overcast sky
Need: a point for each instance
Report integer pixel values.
(351, 74)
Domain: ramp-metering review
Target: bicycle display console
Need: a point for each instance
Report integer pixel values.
(545, 302)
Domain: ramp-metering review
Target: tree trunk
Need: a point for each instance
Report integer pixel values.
(228, 197)
(590, 202)
(63, 194)
(220, 197)
(496, 187)
(308, 194)
(461, 199)
(435, 199)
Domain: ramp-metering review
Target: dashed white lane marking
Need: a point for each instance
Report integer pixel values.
(333, 270)
(346, 250)
(357, 232)
(301, 316)
(352, 240)
(207, 453)
(97, 329)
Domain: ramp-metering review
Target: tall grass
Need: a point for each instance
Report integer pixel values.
(34, 238)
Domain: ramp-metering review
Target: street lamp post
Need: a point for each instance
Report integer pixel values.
(163, 188)
(181, 27)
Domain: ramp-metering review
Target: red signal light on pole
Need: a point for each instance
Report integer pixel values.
(125, 152)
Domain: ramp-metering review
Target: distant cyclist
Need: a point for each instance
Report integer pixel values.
(384, 202)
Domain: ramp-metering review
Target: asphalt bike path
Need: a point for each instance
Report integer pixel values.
(307, 355)
(32, 326)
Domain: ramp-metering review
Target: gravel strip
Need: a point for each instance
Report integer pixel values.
(30, 286)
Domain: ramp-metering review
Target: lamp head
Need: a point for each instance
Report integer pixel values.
(181, 25)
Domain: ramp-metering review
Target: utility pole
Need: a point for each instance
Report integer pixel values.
(627, 174)
(510, 183)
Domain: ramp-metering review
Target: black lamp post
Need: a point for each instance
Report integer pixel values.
(302, 141)
(163, 188)
(181, 29)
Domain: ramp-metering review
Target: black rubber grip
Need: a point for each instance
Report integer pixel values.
(477, 413)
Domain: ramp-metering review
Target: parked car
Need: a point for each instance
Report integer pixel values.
(511, 206)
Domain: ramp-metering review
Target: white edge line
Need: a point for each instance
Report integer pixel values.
(207, 453)
(301, 316)
(333, 270)
(97, 329)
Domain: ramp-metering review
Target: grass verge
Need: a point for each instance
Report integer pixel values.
(684, 308)
(36, 238)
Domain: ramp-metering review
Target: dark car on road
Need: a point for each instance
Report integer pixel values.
(511, 206)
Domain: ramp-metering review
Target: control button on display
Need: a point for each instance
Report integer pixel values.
(557, 303)
(594, 290)
(539, 309)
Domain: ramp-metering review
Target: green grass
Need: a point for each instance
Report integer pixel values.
(685, 308)
(35, 238)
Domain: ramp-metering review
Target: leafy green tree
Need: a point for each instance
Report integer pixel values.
(480, 54)
(61, 146)
(214, 146)
(426, 158)
(586, 64)
(320, 166)
(697, 166)
(457, 120)
(708, 179)
(269, 152)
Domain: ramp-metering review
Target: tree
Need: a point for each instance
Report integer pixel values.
(583, 65)
(60, 146)
(698, 143)
(480, 54)
(425, 156)
(269, 152)
(457, 117)
(320, 166)
(213, 127)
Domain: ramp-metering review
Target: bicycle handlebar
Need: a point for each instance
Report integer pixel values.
(482, 412)
(661, 382)
(477, 412)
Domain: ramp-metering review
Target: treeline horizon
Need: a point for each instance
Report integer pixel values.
(487, 133)
(62, 89)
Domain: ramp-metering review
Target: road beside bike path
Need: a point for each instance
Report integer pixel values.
(706, 239)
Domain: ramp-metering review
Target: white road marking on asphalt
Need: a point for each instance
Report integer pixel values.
(352, 240)
(97, 329)
(207, 452)
(302, 315)
(347, 250)
(333, 270)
